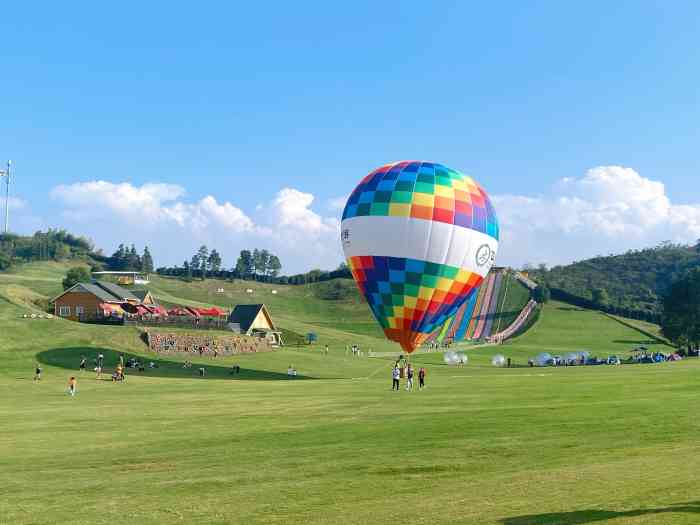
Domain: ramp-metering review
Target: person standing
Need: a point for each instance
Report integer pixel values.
(37, 373)
(326, 349)
(395, 374)
(409, 377)
(421, 378)
(72, 386)
(82, 363)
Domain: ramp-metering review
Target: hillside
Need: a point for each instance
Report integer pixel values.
(314, 449)
(299, 309)
(635, 280)
(331, 306)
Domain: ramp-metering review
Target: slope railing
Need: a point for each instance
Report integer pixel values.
(525, 280)
(515, 325)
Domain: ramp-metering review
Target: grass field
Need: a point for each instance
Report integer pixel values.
(520, 446)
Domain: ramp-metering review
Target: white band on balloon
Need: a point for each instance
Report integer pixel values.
(412, 238)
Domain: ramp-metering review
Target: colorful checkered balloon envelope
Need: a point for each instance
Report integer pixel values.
(419, 239)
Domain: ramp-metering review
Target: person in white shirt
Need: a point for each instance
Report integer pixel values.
(395, 374)
(409, 378)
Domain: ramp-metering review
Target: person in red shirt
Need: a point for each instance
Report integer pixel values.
(421, 378)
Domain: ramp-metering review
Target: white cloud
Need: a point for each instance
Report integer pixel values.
(610, 209)
(15, 203)
(121, 198)
(150, 205)
(158, 215)
(292, 210)
(337, 203)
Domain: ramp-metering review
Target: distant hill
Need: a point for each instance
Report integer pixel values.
(51, 245)
(633, 281)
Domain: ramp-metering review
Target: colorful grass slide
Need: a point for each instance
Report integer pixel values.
(477, 308)
(494, 306)
(468, 312)
(480, 317)
(485, 308)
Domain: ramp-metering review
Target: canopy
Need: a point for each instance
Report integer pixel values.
(143, 310)
(214, 311)
(158, 310)
(178, 310)
(192, 311)
(184, 311)
(111, 309)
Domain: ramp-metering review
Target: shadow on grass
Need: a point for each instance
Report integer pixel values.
(659, 340)
(69, 358)
(581, 517)
(648, 342)
(571, 309)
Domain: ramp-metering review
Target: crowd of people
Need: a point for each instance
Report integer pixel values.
(404, 370)
(436, 345)
(205, 345)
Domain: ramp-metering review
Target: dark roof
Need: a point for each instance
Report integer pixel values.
(140, 294)
(106, 292)
(94, 290)
(119, 293)
(245, 314)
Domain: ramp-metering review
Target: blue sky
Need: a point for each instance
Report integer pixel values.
(205, 115)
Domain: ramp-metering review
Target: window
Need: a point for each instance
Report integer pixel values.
(64, 311)
(79, 310)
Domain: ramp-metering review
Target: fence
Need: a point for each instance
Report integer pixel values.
(201, 323)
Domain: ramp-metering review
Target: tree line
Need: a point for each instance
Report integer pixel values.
(205, 263)
(51, 245)
(60, 245)
(253, 265)
(128, 259)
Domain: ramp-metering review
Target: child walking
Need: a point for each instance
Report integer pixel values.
(72, 386)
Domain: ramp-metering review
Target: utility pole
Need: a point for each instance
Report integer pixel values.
(6, 173)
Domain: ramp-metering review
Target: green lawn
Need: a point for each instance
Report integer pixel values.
(520, 446)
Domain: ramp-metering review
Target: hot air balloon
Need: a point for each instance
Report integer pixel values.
(419, 238)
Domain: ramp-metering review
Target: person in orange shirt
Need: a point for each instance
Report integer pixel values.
(72, 386)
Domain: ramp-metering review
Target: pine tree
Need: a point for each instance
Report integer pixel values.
(146, 261)
(214, 261)
(244, 264)
(257, 262)
(274, 265)
(134, 261)
(203, 258)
